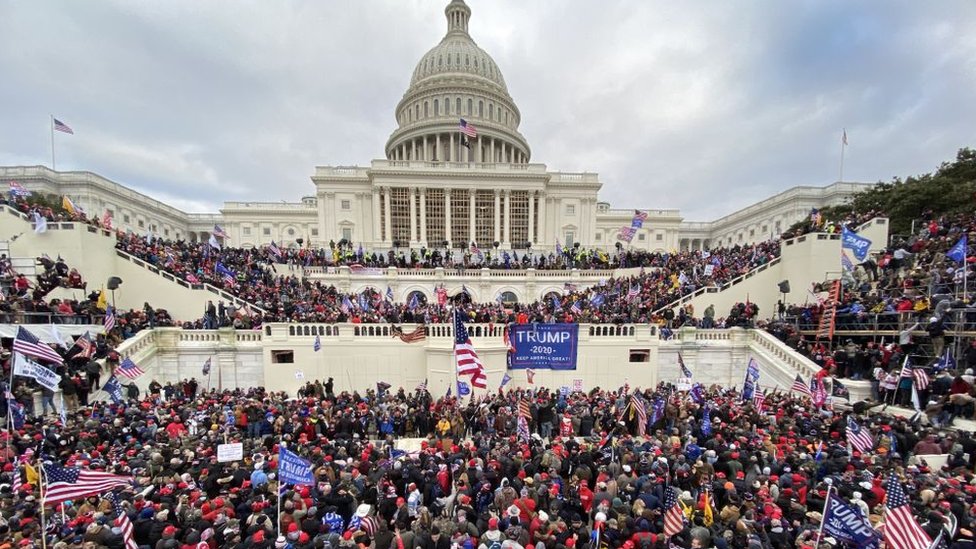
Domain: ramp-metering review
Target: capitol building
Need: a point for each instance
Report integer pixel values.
(456, 170)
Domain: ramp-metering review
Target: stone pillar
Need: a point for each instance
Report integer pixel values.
(542, 238)
(507, 236)
(423, 215)
(451, 152)
(504, 158)
(377, 231)
(388, 229)
(413, 215)
(447, 215)
(324, 233)
(424, 155)
(531, 236)
(413, 149)
(493, 150)
(471, 215)
(498, 217)
(437, 148)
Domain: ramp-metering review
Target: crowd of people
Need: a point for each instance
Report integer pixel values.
(583, 474)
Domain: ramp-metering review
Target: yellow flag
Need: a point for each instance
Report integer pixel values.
(709, 519)
(68, 205)
(102, 302)
(31, 474)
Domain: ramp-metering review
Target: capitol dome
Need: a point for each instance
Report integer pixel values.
(457, 80)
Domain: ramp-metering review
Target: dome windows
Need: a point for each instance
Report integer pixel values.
(457, 104)
(491, 110)
(437, 110)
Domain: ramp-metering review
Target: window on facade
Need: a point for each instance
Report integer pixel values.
(426, 113)
(125, 218)
(481, 109)
(484, 218)
(765, 228)
(153, 228)
(266, 231)
(519, 203)
(491, 110)
(598, 237)
(460, 206)
(570, 209)
(345, 204)
(437, 107)
(659, 237)
(506, 118)
(435, 217)
(166, 232)
(752, 233)
(470, 107)
(640, 355)
(570, 237)
(642, 237)
(347, 234)
(246, 231)
(457, 106)
(315, 231)
(282, 357)
(447, 105)
(142, 224)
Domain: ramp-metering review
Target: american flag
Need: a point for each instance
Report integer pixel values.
(219, 232)
(17, 481)
(921, 378)
(800, 386)
(422, 386)
(62, 127)
(759, 400)
(475, 250)
(640, 216)
(673, 517)
(206, 366)
(640, 409)
(684, 369)
(107, 220)
(530, 376)
(64, 483)
(901, 530)
(906, 368)
(129, 369)
(465, 356)
(467, 129)
(626, 233)
(524, 409)
(27, 344)
(85, 344)
(859, 437)
(274, 250)
(16, 189)
(523, 428)
(109, 321)
(846, 262)
(633, 292)
(122, 521)
(575, 308)
(417, 335)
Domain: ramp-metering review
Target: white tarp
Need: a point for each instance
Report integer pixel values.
(45, 332)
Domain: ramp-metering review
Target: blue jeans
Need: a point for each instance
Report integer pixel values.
(45, 401)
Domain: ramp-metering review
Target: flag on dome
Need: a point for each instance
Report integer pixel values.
(468, 129)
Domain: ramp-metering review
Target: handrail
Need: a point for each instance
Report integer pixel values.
(719, 288)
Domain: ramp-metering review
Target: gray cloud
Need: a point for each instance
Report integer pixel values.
(705, 109)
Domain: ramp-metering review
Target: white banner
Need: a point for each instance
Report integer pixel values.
(23, 366)
(230, 452)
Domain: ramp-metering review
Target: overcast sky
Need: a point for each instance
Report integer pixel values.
(707, 107)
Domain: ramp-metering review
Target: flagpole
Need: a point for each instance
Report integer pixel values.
(53, 165)
(42, 476)
(843, 145)
(823, 516)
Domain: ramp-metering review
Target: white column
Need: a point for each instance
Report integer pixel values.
(447, 215)
(425, 155)
(543, 238)
(323, 233)
(413, 215)
(507, 237)
(498, 218)
(423, 215)
(504, 160)
(493, 149)
(531, 236)
(413, 146)
(437, 148)
(375, 237)
(451, 152)
(388, 229)
(471, 193)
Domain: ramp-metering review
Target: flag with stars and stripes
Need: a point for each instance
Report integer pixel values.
(109, 322)
(274, 250)
(422, 386)
(465, 356)
(17, 481)
(640, 410)
(27, 344)
(575, 308)
(674, 519)
(122, 521)
(859, 437)
(467, 128)
(633, 292)
(60, 126)
(219, 232)
(759, 400)
(684, 369)
(800, 386)
(64, 483)
(901, 530)
(921, 378)
(129, 369)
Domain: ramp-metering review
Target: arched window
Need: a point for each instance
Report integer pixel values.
(420, 297)
(508, 298)
(426, 113)
(458, 105)
(447, 105)
(470, 107)
(439, 60)
(416, 112)
(491, 110)
(506, 118)
(481, 109)
(437, 105)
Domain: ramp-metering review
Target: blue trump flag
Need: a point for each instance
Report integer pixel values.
(114, 389)
(958, 252)
(706, 423)
(293, 469)
(463, 388)
(856, 243)
(848, 524)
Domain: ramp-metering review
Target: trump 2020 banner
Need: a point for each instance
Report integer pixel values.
(551, 346)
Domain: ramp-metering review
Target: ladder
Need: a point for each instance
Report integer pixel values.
(827, 319)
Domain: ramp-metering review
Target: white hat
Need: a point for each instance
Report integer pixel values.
(362, 510)
(600, 517)
(543, 516)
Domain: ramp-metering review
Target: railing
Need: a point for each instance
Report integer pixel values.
(343, 271)
(776, 349)
(34, 317)
(719, 288)
(959, 322)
